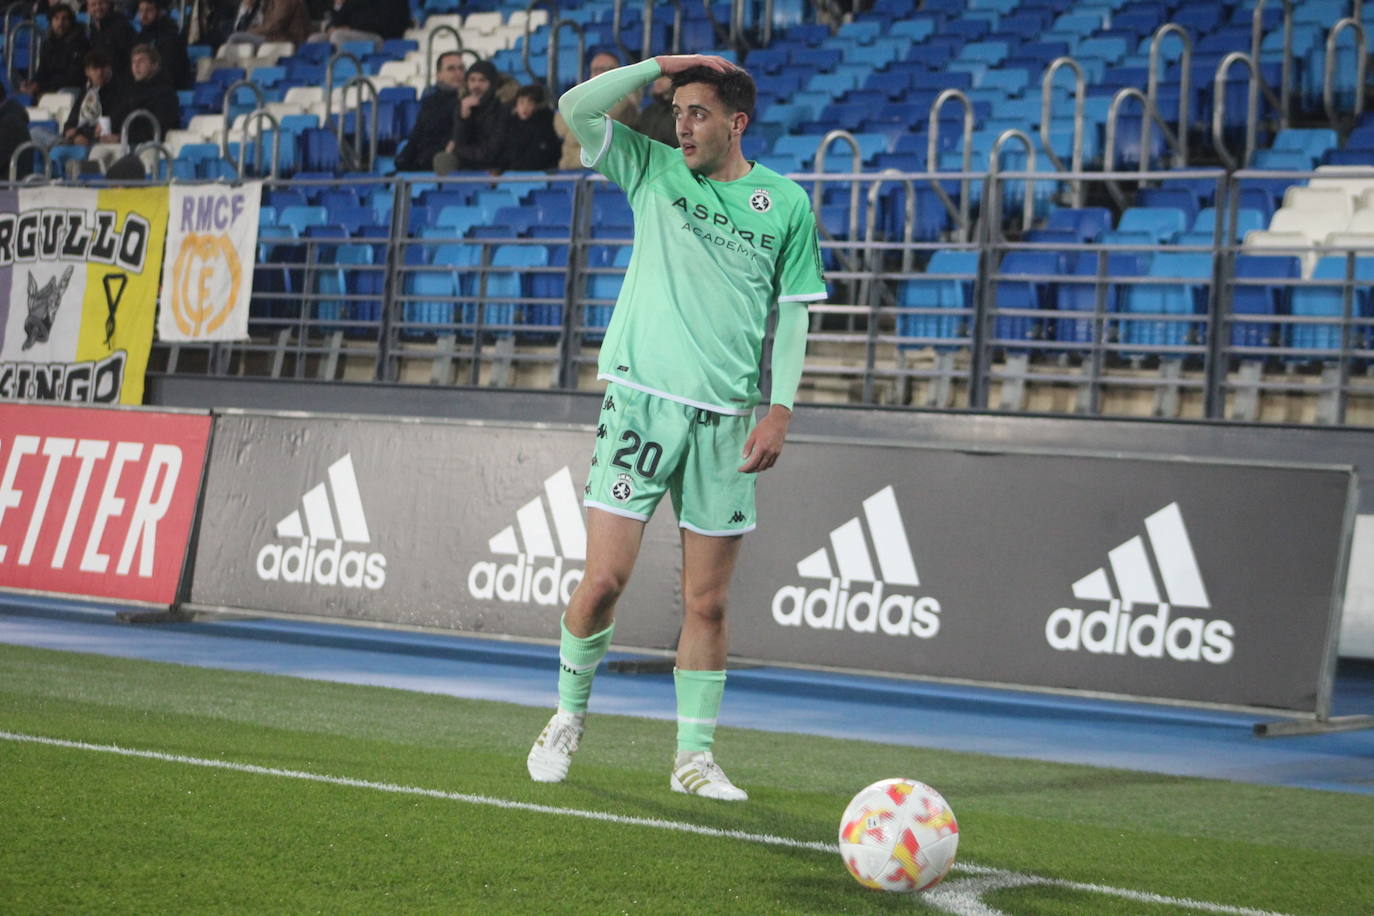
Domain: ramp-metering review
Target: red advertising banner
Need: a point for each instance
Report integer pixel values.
(98, 502)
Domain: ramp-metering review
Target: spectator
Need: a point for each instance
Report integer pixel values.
(84, 123)
(656, 119)
(479, 131)
(14, 130)
(110, 33)
(365, 20)
(434, 125)
(151, 90)
(626, 111)
(62, 56)
(531, 143)
(162, 33)
(258, 21)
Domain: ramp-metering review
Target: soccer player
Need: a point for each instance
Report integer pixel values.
(719, 241)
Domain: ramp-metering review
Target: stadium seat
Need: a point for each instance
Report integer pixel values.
(947, 285)
(1255, 298)
(1170, 299)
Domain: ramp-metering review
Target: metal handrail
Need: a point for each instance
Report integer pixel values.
(353, 153)
(722, 34)
(228, 102)
(329, 80)
(552, 9)
(1286, 79)
(995, 168)
(1109, 154)
(580, 31)
(163, 152)
(25, 147)
(133, 116)
(856, 165)
(908, 224)
(1046, 112)
(1185, 79)
(1329, 71)
(1219, 109)
(255, 119)
(617, 7)
(738, 40)
(429, 46)
(35, 49)
(647, 49)
(933, 157)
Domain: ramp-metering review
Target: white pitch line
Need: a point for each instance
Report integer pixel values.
(679, 826)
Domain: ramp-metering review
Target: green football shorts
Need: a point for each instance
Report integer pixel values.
(646, 444)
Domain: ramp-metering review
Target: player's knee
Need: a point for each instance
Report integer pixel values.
(707, 607)
(600, 590)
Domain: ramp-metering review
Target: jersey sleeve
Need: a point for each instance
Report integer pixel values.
(800, 273)
(626, 156)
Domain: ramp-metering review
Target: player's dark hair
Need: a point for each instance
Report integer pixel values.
(735, 89)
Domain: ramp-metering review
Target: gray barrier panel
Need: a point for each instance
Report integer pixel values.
(461, 526)
(1185, 580)
(1194, 581)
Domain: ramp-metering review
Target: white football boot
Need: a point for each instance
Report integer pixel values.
(697, 773)
(551, 755)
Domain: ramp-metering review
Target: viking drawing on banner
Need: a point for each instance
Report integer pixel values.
(43, 305)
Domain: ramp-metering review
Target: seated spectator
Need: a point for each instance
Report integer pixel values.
(656, 120)
(438, 110)
(161, 32)
(90, 118)
(626, 111)
(62, 56)
(259, 21)
(531, 143)
(480, 128)
(14, 131)
(152, 91)
(110, 33)
(365, 20)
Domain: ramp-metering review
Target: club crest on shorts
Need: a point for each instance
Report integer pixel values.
(622, 489)
(760, 200)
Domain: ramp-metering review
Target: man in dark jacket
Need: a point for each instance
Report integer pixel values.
(162, 33)
(14, 131)
(110, 33)
(480, 130)
(151, 90)
(62, 58)
(532, 145)
(434, 125)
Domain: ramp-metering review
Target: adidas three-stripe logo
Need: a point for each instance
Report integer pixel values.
(331, 516)
(1143, 582)
(548, 532)
(873, 566)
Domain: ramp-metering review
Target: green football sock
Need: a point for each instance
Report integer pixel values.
(698, 704)
(577, 660)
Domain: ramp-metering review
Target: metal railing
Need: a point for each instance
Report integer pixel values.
(1171, 331)
(1046, 114)
(1339, 124)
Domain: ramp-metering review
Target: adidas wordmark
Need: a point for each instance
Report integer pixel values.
(1121, 629)
(540, 571)
(333, 517)
(855, 596)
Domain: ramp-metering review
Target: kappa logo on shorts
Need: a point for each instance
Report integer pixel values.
(1153, 635)
(737, 517)
(601, 431)
(536, 574)
(623, 488)
(760, 200)
(608, 404)
(842, 606)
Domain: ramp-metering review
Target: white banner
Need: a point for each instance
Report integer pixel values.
(212, 236)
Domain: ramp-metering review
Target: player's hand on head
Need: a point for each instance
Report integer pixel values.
(676, 63)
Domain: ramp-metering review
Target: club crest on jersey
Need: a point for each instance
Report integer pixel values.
(622, 489)
(760, 200)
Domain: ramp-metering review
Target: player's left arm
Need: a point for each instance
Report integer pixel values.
(800, 280)
(764, 445)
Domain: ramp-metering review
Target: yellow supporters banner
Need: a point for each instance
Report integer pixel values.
(81, 267)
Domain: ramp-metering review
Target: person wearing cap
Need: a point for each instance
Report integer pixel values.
(479, 131)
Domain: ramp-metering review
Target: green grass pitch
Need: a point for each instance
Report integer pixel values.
(87, 830)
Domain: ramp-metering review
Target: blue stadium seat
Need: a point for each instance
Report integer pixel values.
(1169, 299)
(1329, 300)
(953, 291)
(1087, 223)
(1024, 294)
(1162, 223)
(1082, 297)
(1267, 299)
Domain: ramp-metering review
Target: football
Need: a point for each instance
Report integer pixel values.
(898, 835)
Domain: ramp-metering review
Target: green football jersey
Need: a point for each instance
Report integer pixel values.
(710, 259)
